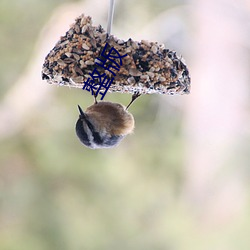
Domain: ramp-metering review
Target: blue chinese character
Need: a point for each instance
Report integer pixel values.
(105, 83)
(90, 84)
(97, 82)
(108, 56)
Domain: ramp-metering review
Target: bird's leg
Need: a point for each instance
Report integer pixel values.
(134, 97)
(95, 96)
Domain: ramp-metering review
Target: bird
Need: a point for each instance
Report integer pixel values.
(104, 124)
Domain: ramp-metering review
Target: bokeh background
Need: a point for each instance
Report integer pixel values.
(180, 182)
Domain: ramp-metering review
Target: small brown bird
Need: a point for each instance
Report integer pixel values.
(104, 124)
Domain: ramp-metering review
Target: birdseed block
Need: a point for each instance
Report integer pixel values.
(145, 67)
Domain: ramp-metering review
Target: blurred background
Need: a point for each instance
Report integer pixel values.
(180, 182)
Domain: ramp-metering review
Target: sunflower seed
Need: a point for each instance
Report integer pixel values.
(85, 46)
(134, 72)
(88, 62)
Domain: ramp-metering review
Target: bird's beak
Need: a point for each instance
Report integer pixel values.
(82, 115)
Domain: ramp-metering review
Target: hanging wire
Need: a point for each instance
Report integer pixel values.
(110, 16)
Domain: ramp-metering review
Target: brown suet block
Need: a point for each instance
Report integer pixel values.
(148, 67)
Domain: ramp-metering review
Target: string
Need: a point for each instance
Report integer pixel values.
(110, 16)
